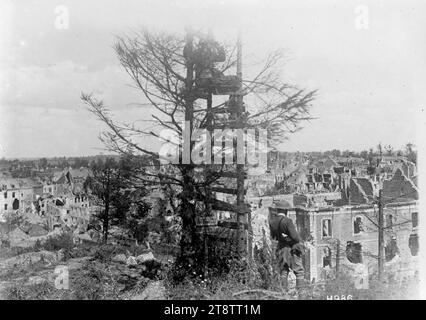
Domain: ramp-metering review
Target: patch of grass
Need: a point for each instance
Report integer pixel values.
(13, 273)
(87, 283)
(39, 291)
(251, 283)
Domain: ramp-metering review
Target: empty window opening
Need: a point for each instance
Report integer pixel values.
(415, 219)
(391, 249)
(327, 178)
(354, 252)
(389, 221)
(326, 257)
(358, 225)
(326, 228)
(413, 243)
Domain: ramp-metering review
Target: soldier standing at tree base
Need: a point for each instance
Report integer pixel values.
(290, 248)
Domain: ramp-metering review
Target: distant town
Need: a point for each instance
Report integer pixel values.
(337, 191)
(249, 151)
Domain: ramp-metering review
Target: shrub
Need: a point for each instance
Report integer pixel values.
(82, 251)
(20, 250)
(39, 291)
(38, 245)
(137, 250)
(61, 241)
(5, 243)
(107, 251)
(87, 284)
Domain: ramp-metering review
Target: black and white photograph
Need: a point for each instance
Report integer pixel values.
(215, 150)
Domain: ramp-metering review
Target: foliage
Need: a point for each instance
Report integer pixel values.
(14, 220)
(135, 222)
(62, 241)
(88, 283)
(246, 283)
(106, 252)
(111, 186)
(39, 291)
(410, 152)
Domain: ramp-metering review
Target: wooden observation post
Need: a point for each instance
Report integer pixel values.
(208, 82)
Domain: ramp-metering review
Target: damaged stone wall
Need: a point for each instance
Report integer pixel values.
(342, 236)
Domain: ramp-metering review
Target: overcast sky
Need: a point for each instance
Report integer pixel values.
(367, 72)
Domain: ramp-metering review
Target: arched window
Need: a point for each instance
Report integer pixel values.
(15, 204)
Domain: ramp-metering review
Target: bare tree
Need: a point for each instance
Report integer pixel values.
(410, 152)
(165, 69)
(380, 149)
(389, 150)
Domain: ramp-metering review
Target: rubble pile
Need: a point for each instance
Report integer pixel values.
(131, 275)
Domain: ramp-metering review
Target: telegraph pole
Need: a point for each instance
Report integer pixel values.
(208, 191)
(239, 100)
(243, 218)
(337, 258)
(381, 249)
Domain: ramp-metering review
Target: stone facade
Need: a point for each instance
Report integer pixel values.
(341, 238)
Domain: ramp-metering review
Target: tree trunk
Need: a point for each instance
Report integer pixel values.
(189, 238)
(105, 231)
(188, 243)
(105, 226)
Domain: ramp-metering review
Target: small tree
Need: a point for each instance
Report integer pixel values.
(110, 186)
(380, 149)
(81, 162)
(410, 153)
(364, 154)
(43, 163)
(135, 219)
(335, 153)
(389, 150)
